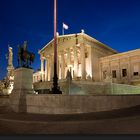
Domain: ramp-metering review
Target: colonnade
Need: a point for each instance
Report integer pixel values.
(71, 58)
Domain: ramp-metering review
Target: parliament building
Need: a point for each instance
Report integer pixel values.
(88, 60)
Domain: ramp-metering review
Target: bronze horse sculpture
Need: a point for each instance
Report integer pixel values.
(25, 58)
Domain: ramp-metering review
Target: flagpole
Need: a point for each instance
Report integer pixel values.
(55, 89)
(62, 29)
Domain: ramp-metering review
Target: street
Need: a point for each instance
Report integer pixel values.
(126, 121)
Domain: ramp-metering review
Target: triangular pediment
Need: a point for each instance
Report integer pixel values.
(61, 40)
(75, 38)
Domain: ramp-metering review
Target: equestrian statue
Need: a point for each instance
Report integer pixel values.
(25, 58)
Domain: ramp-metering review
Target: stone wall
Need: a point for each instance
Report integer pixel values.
(4, 100)
(121, 89)
(69, 104)
(127, 60)
(91, 88)
(4, 104)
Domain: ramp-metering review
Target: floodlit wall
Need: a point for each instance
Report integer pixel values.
(91, 88)
(121, 89)
(69, 104)
(128, 61)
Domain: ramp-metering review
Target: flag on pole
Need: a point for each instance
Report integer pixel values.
(66, 27)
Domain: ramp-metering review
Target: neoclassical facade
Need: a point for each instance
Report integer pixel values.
(123, 68)
(79, 53)
(88, 59)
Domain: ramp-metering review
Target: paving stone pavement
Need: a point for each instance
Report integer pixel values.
(126, 121)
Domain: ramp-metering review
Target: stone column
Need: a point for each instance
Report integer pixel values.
(51, 67)
(68, 57)
(90, 61)
(75, 63)
(42, 68)
(62, 65)
(46, 70)
(83, 71)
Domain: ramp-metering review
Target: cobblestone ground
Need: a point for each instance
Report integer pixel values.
(125, 121)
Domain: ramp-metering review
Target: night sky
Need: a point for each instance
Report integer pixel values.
(113, 22)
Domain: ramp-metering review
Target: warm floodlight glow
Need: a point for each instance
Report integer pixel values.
(78, 45)
(70, 66)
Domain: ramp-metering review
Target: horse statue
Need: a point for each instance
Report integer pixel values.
(25, 58)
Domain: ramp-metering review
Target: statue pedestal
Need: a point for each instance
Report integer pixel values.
(23, 84)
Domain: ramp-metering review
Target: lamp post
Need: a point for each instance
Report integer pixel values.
(55, 89)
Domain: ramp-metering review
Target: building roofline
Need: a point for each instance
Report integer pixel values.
(120, 54)
(96, 41)
(61, 36)
(84, 34)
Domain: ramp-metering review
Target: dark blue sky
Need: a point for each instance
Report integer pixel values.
(113, 22)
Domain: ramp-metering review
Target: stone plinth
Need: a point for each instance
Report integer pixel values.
(23, 84)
